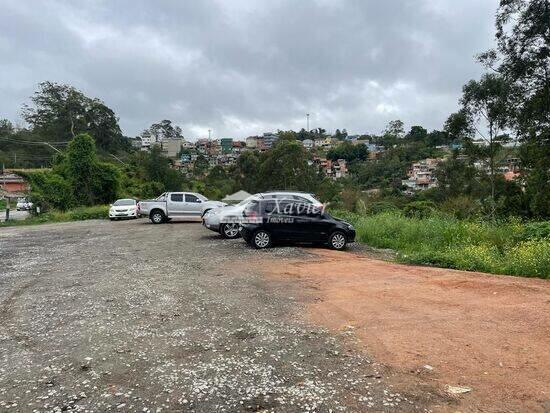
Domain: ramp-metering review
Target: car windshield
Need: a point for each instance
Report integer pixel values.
(124, 202)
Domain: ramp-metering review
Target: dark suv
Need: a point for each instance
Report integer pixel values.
(269, 221)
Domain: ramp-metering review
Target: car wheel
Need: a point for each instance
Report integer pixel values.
(230, 231)
(338, 240)
(111, 219)
(261, 239)
(157, 217)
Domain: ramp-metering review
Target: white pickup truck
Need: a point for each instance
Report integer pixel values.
(189, 205)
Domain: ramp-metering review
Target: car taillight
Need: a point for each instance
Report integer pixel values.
(249, 213)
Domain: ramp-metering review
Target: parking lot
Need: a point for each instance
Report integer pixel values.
(130, 316)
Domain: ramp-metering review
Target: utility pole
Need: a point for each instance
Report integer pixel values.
(8, 198)
(307, 121)
(209, 133)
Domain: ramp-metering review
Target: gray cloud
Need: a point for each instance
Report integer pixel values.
(244, 67)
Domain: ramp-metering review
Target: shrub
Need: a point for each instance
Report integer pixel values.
(419, 209)
(381, 206)
(537, 230)
(462, 207)
(50, 191)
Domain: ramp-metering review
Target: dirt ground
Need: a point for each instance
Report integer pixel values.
(435, 327)
(102, 316)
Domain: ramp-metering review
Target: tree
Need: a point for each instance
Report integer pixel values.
(395, 129)
(459, 126)
(488, 101)
(339, 135)
(200, 166)
(522, 56)
(163, 130)
(245, 172)
(60, 112)
(349, 152)
(81, 166)
(286, 167)
(417, 134)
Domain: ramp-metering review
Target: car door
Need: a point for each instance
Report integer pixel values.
(175, 204)
(193, 207)
(309, 225)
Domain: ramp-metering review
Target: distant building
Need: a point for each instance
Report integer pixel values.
(332, 169)
(270, 139)
(226, 145)
(238, 147)
(171, 147)
(146, 140)
(252, 142)
(12, 183)
(340, 168)
(420, 176)
(308, 143)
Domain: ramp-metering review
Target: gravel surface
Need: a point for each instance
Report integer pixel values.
(129, 316)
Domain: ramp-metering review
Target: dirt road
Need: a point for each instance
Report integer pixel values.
(436, 327)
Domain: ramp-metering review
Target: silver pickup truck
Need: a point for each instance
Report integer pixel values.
(189, 205)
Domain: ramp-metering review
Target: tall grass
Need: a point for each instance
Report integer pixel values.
(76, 214)
(508, 247)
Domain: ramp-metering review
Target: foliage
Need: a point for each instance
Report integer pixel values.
(60, 112)
(78, 178)
(349, 152)
(286, 167)
(419, 209)
(50, 190)
(162, 130)
(522, 56)
(76, 214)
(503, 248)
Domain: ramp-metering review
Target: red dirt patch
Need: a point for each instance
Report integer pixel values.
(490, 333)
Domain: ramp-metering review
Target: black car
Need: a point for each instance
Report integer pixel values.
(268, 221)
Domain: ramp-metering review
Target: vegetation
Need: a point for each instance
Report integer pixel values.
(52, 216)
(508, 247)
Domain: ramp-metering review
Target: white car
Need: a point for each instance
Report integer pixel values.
(226, 220)
(23, 205)
(123, 208)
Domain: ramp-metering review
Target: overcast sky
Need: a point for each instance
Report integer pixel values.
(245, 67)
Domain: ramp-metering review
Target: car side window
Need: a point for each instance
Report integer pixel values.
(192, 198)
(301, 199)
(269, 207)
(176, 197)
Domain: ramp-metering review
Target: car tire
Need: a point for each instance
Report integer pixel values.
(111, 219)
(230, 231)
(337, 240)
(157, 217)
(261, 239)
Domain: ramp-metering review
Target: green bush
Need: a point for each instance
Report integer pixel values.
(508, 247)
(52, 216)
(537, 230)
(381, 206)
(419, 209)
